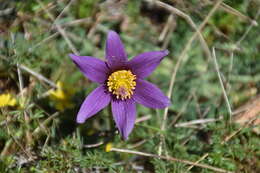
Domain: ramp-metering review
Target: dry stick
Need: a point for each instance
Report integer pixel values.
(39, 129)
(248, 29)
(26, 117)
(43, 128)
(236, 132)
(60, 29)
(35, 74)
(168, 36)
(71, 23)
(38, 76)
(43, 41)
(6, 11)
(233, 134)
(170, 159)
(202, 158)
(206, 111)
(137, 144)
(49, 5)
(230, 69)
(63, 11)
(46, 142)
(221, 83)
(144, 118)
(166, 28)
(74, 50)
(85, 20)
(198, 121)
(226, 99)
(225, 140)
(188, 20)
(94, 145)
(237, 44)
(203, 43)
(20, 80)
(183, 108)
(9, 143)
(233, 11)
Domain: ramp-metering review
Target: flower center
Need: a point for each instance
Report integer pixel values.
(122, 83)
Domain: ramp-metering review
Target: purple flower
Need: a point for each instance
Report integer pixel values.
(121, 83)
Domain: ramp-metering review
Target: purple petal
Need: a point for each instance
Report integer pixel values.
(95, 101)
(93, 68)
(144, 64)
(149, 95)
(115, 52)
(124, 113)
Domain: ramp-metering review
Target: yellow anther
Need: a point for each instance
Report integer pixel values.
(122, 83)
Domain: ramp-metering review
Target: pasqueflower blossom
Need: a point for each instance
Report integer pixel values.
(121, 82)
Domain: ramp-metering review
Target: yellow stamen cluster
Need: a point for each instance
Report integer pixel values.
(122, 83)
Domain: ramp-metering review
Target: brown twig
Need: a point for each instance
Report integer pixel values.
(11, 141)
(221, 83)
(248, 29)
(226, 139)
(41, 128)
(166, 28)
(60, 29)
(37, 75)
(235, 12)
(236, 112)
(94, 145)
(198, 121)
(43, 41)
(165, 36)
(202, 158)
(65, 25)
(187, 162)
(183, 108)
(26, 117)
(63, 11)
(183, 53)
(144, 118)
(237, 131)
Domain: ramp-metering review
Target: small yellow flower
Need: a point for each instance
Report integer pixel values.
(61, 96)
(59, 92)
(7, 100)
(108, 147)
